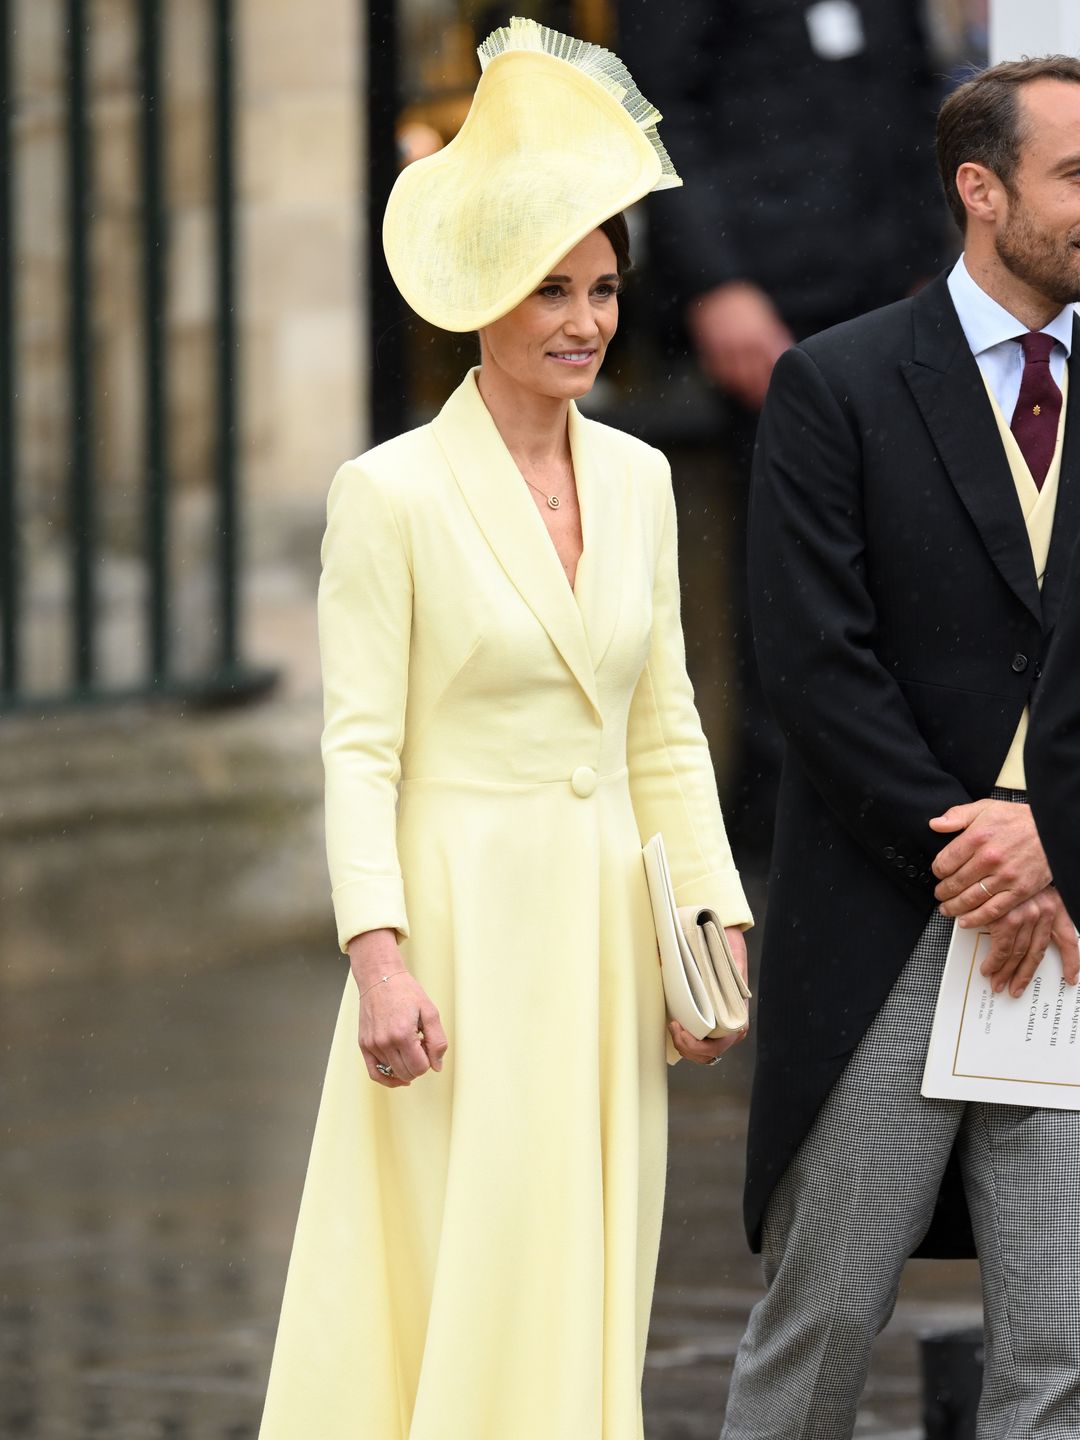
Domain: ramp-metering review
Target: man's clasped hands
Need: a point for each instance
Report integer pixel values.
(994, 876)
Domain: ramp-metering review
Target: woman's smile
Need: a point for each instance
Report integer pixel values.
(572, 357)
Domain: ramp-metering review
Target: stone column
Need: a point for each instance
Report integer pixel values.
(301, 180)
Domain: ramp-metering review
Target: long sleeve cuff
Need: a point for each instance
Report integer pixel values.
(721, 891)
(376, 902)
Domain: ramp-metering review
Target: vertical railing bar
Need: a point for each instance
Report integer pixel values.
(224, 198)
(156, 517)
(82, 506)
(380, 83)
(9, 543)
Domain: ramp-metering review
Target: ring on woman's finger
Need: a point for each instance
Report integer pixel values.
(715, 1060)
(387, 1070)
(988, 893)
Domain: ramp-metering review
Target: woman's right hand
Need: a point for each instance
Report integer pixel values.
(399, 1026)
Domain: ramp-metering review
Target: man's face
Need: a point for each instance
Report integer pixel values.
(1039, 238)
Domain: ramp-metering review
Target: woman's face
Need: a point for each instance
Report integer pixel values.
(553, 343)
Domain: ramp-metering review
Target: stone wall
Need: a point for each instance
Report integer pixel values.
(302, 139)
(153, 841)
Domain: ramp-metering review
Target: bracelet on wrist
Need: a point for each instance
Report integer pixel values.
(381, 981)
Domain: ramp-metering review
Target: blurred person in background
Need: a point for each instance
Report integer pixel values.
(804, 131)
(508, 718)
(960, 37)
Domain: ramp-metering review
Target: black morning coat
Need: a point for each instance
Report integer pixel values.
(900, 632)
(1052, 754)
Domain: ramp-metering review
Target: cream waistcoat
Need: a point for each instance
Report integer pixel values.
(1038, 508)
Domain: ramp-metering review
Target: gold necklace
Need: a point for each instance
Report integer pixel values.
(552, 500)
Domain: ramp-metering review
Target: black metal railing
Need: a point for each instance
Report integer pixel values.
(221, 675)
(387, 395)
(9, 572)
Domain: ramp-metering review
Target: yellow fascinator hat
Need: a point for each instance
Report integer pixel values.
(557, 140)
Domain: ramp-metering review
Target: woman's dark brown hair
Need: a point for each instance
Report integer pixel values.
(618, 232)
(981, 123)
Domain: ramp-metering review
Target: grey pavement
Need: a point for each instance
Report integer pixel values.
(154, 1137)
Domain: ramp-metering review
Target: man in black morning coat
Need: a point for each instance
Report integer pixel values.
(895, 568)
(1052, 755)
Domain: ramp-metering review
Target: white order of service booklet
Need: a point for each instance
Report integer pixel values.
(997, 1048)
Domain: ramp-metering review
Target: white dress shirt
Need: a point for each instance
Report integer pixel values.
(993, 335)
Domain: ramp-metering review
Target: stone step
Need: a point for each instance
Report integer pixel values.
(143, 838)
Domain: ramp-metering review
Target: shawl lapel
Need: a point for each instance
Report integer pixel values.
(503, 509)
(945, 381)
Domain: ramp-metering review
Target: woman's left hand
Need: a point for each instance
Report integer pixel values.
(704, 1052)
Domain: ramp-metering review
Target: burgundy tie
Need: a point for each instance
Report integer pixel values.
(1038, 407)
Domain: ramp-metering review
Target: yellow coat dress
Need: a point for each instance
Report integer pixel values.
(475, 1255)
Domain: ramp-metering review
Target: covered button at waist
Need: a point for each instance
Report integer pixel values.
(583, 781)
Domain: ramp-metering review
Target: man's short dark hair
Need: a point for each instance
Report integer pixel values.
(980, 123)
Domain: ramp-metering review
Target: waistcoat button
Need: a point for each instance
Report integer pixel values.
(1019, 663)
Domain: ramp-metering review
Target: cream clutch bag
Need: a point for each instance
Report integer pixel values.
(702, 984)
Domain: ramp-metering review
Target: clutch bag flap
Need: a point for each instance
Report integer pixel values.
(702, 985)
(727, 990)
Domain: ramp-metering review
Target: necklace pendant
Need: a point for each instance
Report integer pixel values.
(553, 501)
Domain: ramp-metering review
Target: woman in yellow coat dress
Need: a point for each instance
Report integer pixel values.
(508, 717)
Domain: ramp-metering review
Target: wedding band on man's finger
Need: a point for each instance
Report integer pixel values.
(988, 893)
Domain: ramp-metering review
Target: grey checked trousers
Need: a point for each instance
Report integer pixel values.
(857, 1199)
